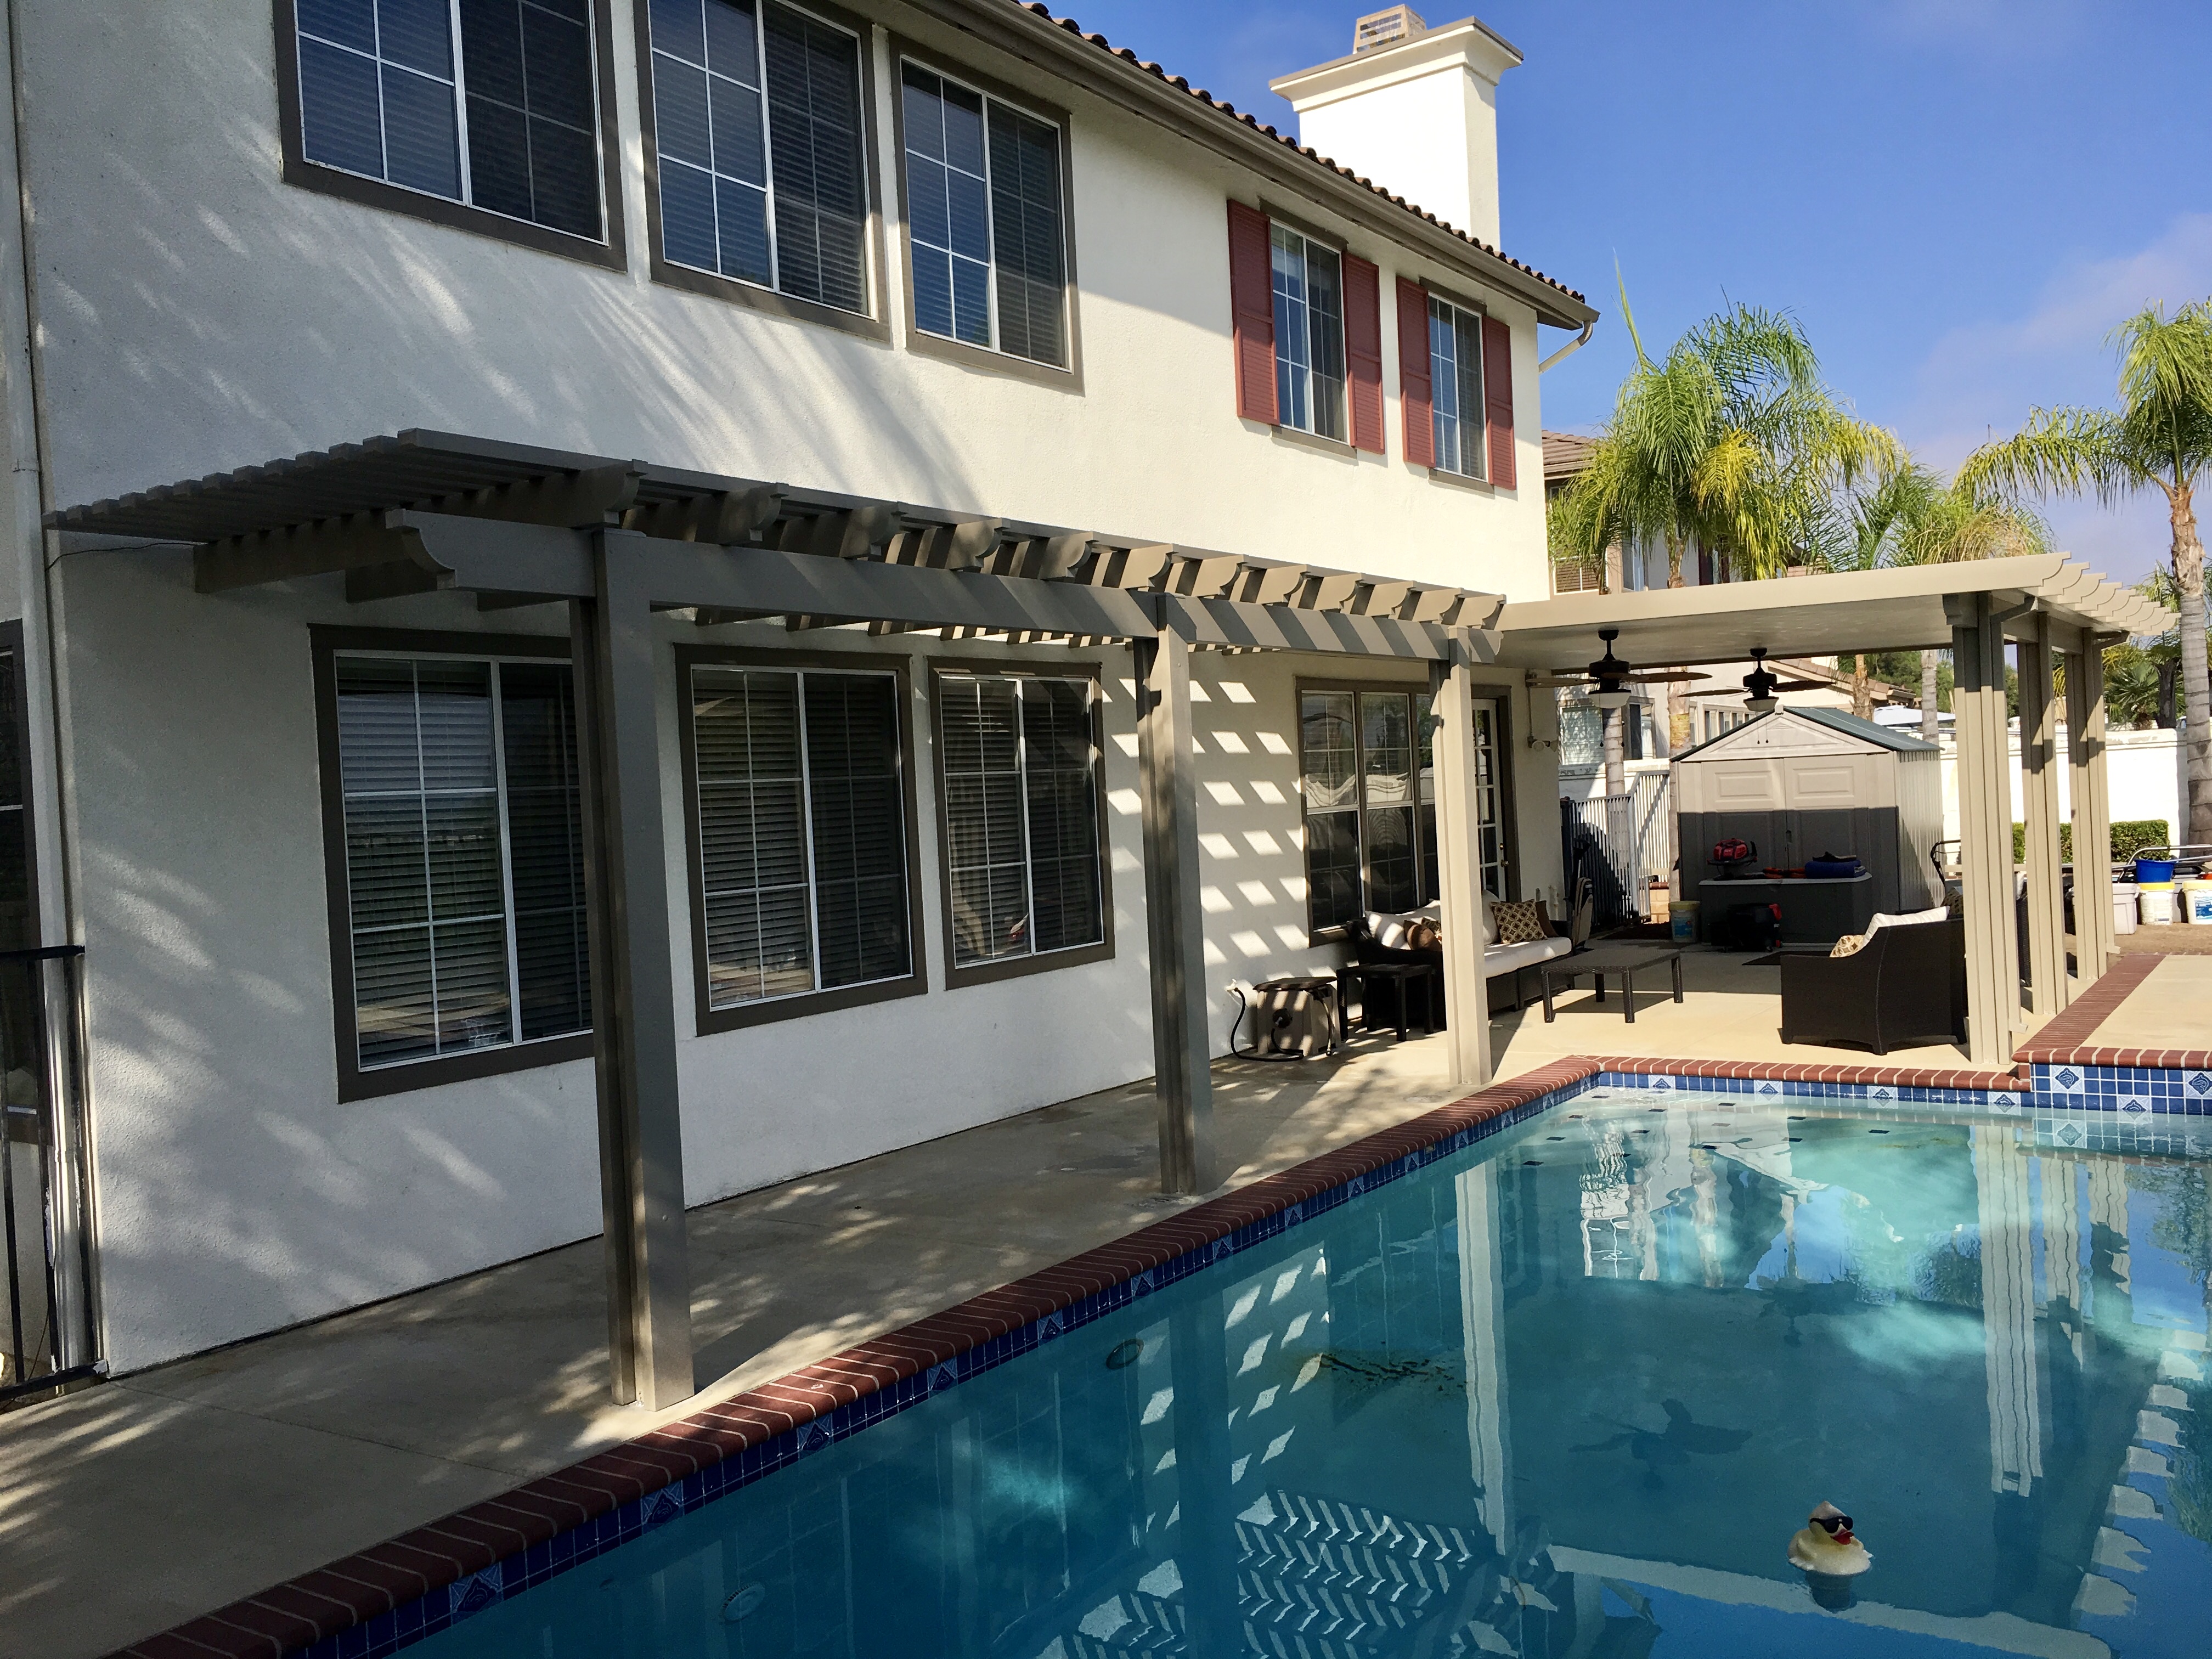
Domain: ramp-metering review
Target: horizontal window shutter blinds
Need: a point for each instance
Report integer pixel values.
(1416, 395)
(753, 825)
(1063, 814)
(1252, 312)
(1497, 398)
(860, 827)
(1363, 351)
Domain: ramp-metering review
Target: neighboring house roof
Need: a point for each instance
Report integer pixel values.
(1567, 453)
(1546, 293)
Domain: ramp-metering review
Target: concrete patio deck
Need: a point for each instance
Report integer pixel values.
(180, 1488)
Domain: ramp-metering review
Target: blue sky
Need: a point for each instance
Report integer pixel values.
(1958, 198)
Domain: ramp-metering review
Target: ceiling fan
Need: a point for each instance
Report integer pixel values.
(1607, 679)
(1762, 683)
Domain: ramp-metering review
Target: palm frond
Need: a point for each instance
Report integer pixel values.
(2060, 452)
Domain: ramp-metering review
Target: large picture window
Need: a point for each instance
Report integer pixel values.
(1456, 380)
(760, 141)
(461, 863)
(1024, 871)
(489, 104)
(1308, 281)
(799, 836)
(984, 219)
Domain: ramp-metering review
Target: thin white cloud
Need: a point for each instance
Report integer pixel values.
(1982, 380)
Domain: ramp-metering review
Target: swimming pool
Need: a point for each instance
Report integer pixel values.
(1567, 1392)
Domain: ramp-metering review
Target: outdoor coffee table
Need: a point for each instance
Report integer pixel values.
(1626, 961)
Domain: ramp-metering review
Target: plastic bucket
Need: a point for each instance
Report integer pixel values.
(1682, 920)
(2196, 902)
(2157, 904)
(2124, 906)
(2150, 870)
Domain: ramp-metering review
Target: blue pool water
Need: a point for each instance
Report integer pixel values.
(1566, 1394)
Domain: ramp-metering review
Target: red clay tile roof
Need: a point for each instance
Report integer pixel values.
(1285, 139)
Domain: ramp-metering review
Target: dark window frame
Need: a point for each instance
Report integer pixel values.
(18, 671)
(872, 325)
(988, 359)
(327, 644)
(1416, 689)
(772, 1011)
(988, 973)
(608, 252)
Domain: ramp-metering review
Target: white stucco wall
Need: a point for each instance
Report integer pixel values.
(198, 314)
(2144, 778)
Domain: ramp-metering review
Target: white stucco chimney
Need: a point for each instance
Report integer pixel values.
(1415, 110)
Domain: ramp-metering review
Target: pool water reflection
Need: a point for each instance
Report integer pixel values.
(1569, 1394)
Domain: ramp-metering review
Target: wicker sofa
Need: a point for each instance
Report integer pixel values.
(1905, 986)
(1502, 964)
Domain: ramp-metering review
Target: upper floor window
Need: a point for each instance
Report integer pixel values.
(489, 104)
(985, 220)
(759, 137)
(1308, 334)
(456, 858)
(1455, 374)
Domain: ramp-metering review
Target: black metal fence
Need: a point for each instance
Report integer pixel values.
(48, 1336)
(1618, 843)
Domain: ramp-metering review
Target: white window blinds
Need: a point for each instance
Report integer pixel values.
(758, 132)
(490, 102)
(1021, 813)
(464, 854)
(802, 831)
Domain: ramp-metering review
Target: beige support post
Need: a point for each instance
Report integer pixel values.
(1985, 830)
(1459, 871)
(2093, 933)
(2046, 892)
(1175, 920)
(633, 988)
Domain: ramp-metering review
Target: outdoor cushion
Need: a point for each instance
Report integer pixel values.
(1387, 930)
(1851, 944)
(1520, 922)
(1504, 959)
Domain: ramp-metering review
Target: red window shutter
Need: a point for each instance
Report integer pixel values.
(1252, 312)
(1497, 398)
(1416, 390)
(1363, 351)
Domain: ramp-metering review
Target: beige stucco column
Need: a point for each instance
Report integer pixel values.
(1459, 872)
(2038, 763)
(1978, 699)
(2093, 820)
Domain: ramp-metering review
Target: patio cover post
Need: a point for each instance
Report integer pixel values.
(1459, 867)
(2093, 931)
(633, 995)
(2039, 754)
(1175, 920)
(1985, 828)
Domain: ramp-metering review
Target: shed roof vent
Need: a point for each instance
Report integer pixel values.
(1386, 28)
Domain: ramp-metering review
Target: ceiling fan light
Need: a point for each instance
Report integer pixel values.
(1765, 705)
(1610, 699)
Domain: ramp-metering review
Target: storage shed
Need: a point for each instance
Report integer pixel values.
(1800, 783)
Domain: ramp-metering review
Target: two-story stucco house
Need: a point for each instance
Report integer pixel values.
(974, 394)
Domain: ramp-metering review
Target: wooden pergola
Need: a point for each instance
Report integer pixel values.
(616, 541)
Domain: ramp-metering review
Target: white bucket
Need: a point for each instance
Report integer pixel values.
(2196, 902)
(2124, 906)
(2157, 903)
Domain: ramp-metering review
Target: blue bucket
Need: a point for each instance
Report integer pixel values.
(2148, 871)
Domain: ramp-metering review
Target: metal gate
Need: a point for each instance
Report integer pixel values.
(1619, 843)
(48, 1334)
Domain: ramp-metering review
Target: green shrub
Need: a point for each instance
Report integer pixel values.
(2130, 836)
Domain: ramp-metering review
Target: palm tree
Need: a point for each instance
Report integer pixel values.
(1732, 441)
(2161, 436)
(1905, 515)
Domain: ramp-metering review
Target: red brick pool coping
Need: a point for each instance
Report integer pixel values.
(2068, 1038)
(315, 1605)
